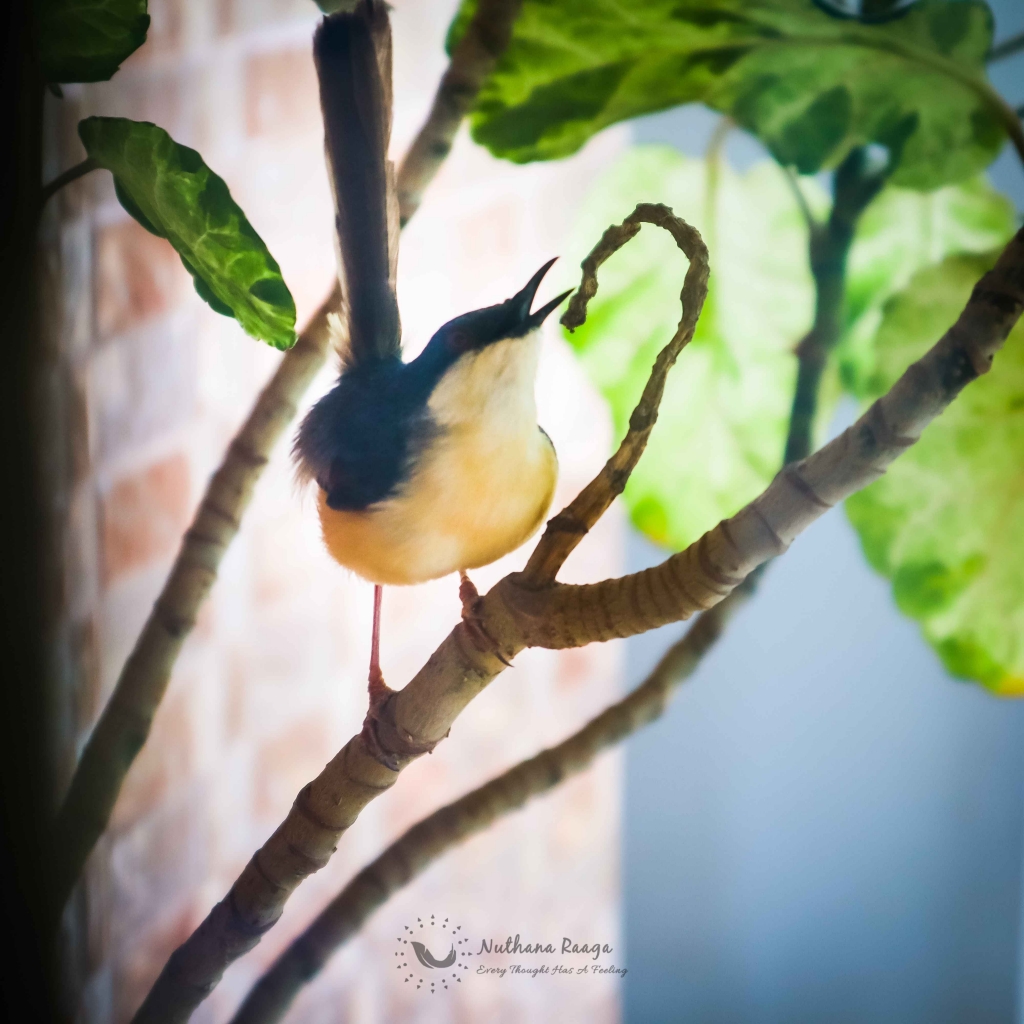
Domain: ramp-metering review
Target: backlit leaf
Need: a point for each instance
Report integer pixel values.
(810, 85)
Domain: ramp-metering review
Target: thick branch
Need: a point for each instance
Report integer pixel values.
(572, 524)
(125, 721)
(484, 41)
(853, 189)
(435, 835)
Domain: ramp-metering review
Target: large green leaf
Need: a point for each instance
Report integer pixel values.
(810, 85)
(168, 189)
(945, 523)
(900, 233)
(722, 425)
(86, 40)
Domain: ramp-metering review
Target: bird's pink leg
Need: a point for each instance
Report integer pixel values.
(378, 688)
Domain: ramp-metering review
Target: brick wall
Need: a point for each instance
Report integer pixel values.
(271, 683)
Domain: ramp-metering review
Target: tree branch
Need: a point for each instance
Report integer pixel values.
(125, 722)
(1007, 48)
(448, 826)
(484, 41)
(415, 719)
(854, 187)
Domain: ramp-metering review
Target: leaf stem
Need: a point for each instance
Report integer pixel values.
(70, 175)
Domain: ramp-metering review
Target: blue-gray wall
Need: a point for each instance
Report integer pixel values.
(824, 827)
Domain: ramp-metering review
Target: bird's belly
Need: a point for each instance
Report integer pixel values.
(471, 500)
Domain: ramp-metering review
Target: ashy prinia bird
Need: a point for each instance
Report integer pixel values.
(436, 465)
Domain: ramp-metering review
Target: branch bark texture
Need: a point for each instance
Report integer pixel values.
(435, 835)
(125, 722)
(484, 41)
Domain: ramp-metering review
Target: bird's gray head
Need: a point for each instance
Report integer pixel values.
(512, 318)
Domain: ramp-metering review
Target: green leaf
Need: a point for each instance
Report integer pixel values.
(721, 430)
(168, 189)
(900, 233)
(944, 524)
(810, 85)
(86, 40)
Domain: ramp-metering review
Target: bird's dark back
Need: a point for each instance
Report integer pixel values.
(362, 439)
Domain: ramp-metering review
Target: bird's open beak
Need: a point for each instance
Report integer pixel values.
(523, 300)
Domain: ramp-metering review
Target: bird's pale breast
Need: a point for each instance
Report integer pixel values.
(478, 491)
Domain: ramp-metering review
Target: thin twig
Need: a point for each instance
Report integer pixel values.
(572, 524)
(451, 825)
(486, 37)
(71, 174)
(124, 723)
(1007, 48)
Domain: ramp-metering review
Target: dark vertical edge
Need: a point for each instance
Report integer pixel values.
(28, 990)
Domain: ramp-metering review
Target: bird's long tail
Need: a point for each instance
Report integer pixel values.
(352, 52)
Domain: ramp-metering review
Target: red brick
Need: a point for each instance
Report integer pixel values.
(281, 96)
(143, 516)
(138, 276)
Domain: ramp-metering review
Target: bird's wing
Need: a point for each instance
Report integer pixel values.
(353, 60)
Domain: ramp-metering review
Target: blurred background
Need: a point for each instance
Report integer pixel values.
(823, 827)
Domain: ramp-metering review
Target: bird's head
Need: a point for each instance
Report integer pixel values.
(476, 330)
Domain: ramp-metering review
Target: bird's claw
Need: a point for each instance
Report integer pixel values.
(474, 621)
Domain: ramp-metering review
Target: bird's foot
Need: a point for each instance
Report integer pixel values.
(474, 621)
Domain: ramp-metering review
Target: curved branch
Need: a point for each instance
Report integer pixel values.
(484, 41)
(448, 826)
(572, 524)
(125, 722)
(413, 720)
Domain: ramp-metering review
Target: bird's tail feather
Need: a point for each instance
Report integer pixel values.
(352, 51)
